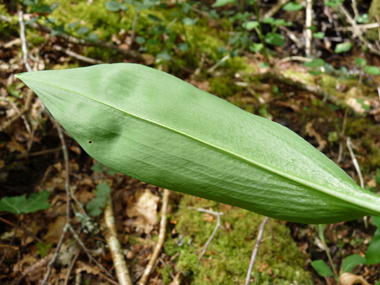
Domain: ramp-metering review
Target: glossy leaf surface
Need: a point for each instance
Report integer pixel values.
(154, 127)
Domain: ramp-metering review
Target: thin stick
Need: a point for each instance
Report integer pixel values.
(23, 41)
(216, 65)
(357, 31)
(71, 39)
(308, 32)
(134, 27)
(10, 244)
(161, 239)
(355, 162)
(204, 248)
(71, 267)
(87, 252)
(21, 228)
(38, 153)
(78, 56)
(110, 233)
(255, 250)
(275, 8)
(67, 189)
(55, 255)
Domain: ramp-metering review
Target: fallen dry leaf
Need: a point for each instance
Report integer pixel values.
(55, 230)
(351, 279)
(145, 209)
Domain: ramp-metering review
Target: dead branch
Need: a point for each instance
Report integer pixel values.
(255, 250)
(309, 23)
(298, 85)
(90, 257)
(355, 162)
(204, 248)
(78, 56)
(21, 228)
(131, 54)
(357, 32)
(110, 233)
(23, 41)
(28, 100)
(71, 267)
(67, 189)
(275, 9)
(161, 239)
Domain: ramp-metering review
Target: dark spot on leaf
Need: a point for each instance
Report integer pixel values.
(90, 142)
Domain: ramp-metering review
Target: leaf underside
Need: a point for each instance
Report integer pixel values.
(156, 128)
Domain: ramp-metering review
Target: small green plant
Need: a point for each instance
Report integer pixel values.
(23, 205)
(372, 256)
(102, 193)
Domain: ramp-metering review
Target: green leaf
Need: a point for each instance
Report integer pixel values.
(360, 62)
(113, 6)
(156, 128)
(23, 205)
(351, 261)
(140, 40)
(189, 21)
(373, 252)
(274, 39)
(343, 47)
(98, 167)
(322, 268)
(83, 30)
(268, 20)
(376, 221)
(374, 70)
(250, 25)
(292, 6)
(319, 35)
(315, 72)
(220, 3)
(102, 193)
(316, 62)
(91, 37)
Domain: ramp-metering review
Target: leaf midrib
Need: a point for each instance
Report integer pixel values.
(345, 197)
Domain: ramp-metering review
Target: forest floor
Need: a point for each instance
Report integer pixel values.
(325, 109)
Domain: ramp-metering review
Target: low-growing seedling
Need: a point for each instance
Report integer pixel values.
(372, 256)
(23, 205)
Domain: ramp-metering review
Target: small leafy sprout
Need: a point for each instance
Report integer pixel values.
(23, 205)
(317, 65)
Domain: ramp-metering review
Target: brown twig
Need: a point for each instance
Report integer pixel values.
(275, 9)
(255, 250)
(28, 100)
(38, 153)
(298, 85)
(355, 162)
(78, 56)
(21, 228)
(75, 235)
(10, 244)
(204, 248)
(71, 39)
(71, 267)
(67, 189)
(309, 22)
(161, 239)
(357, 32)
(110, 233)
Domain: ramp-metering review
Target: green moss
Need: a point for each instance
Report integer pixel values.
(374, 11)
(35, 38)
(223, 86)
(227, 257)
